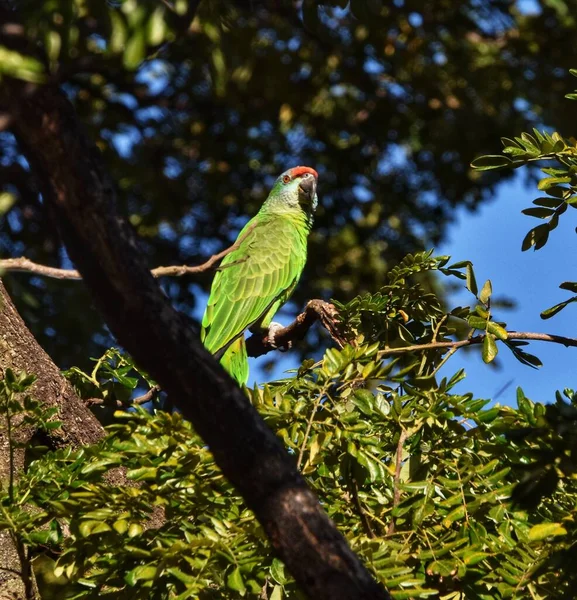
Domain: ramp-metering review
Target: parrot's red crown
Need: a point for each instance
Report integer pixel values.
(297, 171)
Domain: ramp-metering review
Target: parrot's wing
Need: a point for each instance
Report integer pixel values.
(252, 278)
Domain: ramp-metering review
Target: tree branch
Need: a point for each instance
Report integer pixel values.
(478, 339)
(146, 397)
(79, 191)
(25, 265)
(315, 310)
(397, 480)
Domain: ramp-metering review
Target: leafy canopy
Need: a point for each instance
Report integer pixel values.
(438, 491)
(196, 117)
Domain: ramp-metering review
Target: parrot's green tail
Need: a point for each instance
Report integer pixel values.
(235, 361)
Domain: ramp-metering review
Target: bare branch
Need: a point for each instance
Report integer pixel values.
(478, 339)
(309, 426)
(360, 510)
(147, 397)
(25, 265)
(315, 310)
(397, 480)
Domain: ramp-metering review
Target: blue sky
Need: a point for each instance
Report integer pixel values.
(491, 238)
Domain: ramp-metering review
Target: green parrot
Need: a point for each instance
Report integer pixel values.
(257, 278)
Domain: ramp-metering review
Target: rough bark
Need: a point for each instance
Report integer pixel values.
(103, 247)
(315, 310)
(19, 351)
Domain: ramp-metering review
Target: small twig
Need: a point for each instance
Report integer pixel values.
(147, 397)
(169, 5)
(361, 511)
(463, 496)
(309, 425)
(434, 339)
(315, 310)
(444, 360)
(478, 339)
(362, 514)
(25, 265)
(397, 480)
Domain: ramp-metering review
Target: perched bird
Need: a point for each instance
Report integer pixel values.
(257, 278)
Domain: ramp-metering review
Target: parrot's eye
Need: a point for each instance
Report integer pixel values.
(286, 178)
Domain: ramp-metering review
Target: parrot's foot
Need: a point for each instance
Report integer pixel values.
(273, 329)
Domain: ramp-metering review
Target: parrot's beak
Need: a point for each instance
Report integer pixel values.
(308, 187)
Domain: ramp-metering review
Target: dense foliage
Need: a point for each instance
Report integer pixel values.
(389, 101)
(418, 476)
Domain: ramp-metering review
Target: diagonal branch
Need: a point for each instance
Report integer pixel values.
(315, 310)
(397, 480)
(478, 339)
(80, 193)
(25, 265)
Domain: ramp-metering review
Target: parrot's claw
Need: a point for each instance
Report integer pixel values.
(273, 329)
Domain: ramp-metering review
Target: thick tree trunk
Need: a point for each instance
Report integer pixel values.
(20, 352)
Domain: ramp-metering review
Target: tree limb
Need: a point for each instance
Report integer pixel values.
(315, 310)
(397, 480)
(146, 397)
(478, 339)
(80, 192)
(25, 265)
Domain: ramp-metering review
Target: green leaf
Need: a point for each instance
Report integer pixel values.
(455, 515)
(570, 286)
(85, 527)
(119, 33)
(536, 237)
(524, 404)
(373, 466)
(142, 473)
(477, 322)
(414, 592)
(144, 572)
(471, 282)
(120, 526)
(276, 593)
(497, 330)
(491, 161)
(102, 527)
(547, 182)
(540, 213)
(235, 582)
(21, 66)
(134, 530)
(157, 27)
(546, 530)
(489, 348)
(135, 50)
(549, 202)
(551, 312)
(53, 43)
(277, 571)
(486, 292)
(530, 142)
(528, 359)
(364, 401)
